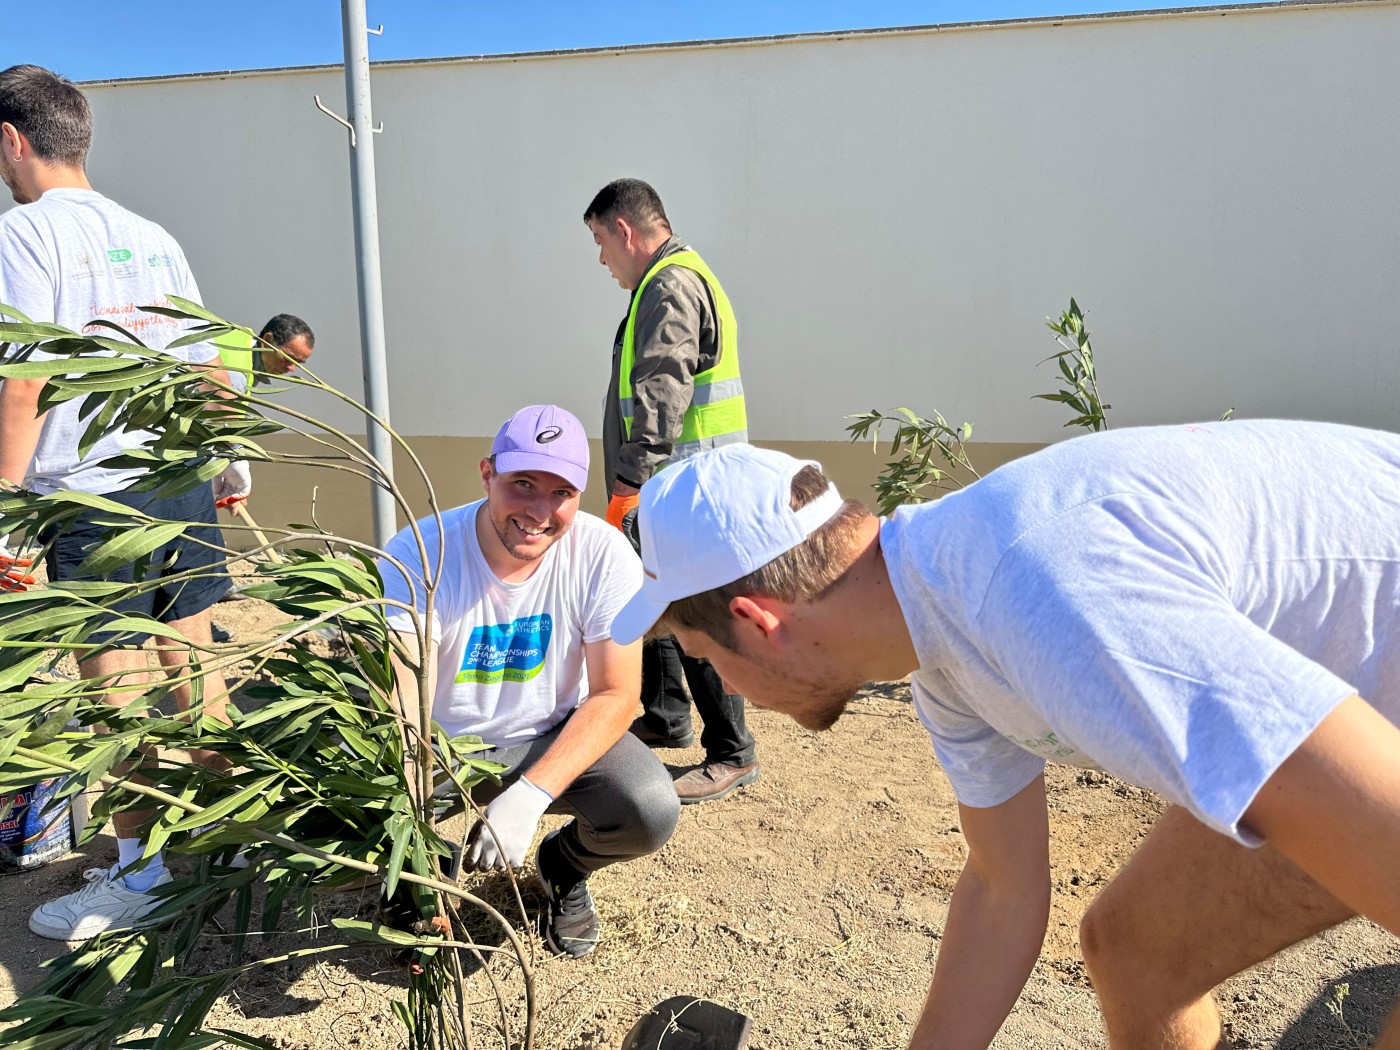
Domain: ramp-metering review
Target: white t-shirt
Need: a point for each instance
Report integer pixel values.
(510, 664)
(69, 257)
(1180, 606)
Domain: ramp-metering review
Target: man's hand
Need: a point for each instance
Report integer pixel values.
(618, 507)
(513, 816)
(233, 484)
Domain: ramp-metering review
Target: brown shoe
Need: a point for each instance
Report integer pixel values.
(713, 780)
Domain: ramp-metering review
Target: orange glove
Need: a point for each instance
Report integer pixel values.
(618, 507)
(12, 575)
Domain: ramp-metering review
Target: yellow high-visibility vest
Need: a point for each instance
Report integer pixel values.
(716, 415)
(236, 351)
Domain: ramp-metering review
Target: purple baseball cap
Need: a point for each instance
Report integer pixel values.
(543, 437)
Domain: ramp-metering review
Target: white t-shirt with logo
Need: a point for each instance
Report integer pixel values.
(1180, 606)
(510, 662)
(70, 257)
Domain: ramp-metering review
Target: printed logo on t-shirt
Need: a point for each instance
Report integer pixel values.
(507, 652)
(83, 266)
(122, 264)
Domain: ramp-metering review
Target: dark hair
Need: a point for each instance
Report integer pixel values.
(805, 573)
(630, 199)
(283, 328)
(48, 111)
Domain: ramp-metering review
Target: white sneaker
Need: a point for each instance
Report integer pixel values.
(103, 904)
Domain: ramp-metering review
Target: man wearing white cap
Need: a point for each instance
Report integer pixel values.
(525, 601)
(1169, 604)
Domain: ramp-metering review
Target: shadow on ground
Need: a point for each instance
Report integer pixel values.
(1349, 1013)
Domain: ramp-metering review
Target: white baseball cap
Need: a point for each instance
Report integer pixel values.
(712, 519)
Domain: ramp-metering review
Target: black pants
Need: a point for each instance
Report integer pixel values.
(666, 671)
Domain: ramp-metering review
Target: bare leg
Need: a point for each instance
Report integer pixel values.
(129, 668)
(198, 629)
(1191, 909)
(1389, 1039)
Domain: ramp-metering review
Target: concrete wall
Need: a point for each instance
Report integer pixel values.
(893, 214)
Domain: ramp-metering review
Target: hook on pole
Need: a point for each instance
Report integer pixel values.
(378, 129)
(338, 118)
(376, 32)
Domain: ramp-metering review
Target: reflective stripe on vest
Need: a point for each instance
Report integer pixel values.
(716, 414)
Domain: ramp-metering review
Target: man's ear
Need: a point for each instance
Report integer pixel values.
(487, 473)
(758, 613)
(627, 232)
(14, 141)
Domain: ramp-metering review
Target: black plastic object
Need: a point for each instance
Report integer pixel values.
(684, 1022)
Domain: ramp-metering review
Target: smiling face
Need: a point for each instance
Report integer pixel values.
(527, 511)
(777, 672)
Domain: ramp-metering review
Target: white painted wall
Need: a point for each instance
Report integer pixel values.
(893, 215)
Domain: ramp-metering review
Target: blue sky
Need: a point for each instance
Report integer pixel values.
(97, 39)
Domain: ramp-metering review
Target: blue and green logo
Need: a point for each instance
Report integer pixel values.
(507, 652)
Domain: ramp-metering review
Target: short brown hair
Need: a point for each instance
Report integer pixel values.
(49, 111)
(804, 573)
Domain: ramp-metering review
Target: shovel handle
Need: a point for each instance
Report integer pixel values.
(240, 509)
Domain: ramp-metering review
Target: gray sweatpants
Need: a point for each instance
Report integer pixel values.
(624, 805)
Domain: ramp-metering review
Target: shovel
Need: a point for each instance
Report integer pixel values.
(684, 1022)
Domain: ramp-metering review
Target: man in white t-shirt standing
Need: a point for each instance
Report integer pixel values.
(69, 255)
(1210, 611)
(522, 616)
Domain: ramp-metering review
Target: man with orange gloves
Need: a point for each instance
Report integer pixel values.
(674, 391)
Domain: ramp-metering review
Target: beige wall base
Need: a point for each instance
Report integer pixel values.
(340, 502)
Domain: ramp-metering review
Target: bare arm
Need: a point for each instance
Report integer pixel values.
(217, 373)
(615, 685)
(996, 924)
(20, 426)
(1333, 808)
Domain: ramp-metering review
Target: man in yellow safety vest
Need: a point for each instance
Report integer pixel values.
(290, 335)
(674, 391)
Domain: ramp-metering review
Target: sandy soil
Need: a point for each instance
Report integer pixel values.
(812, 901)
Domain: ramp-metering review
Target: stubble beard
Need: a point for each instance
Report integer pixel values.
(825, 706)
(506, 534)
(7, 175)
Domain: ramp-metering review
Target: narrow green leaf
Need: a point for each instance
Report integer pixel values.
(400, 828)
(225, 806)
(373, 933)
(128, 546)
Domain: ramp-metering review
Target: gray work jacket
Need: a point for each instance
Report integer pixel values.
(676, 337)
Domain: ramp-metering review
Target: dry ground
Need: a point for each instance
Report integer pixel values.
(812, 901)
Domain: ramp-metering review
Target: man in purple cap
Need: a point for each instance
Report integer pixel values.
(523, 658)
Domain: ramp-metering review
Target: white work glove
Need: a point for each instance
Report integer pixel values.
(513, 816)
(233, 484)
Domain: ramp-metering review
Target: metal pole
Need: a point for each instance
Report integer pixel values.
(362, 188)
